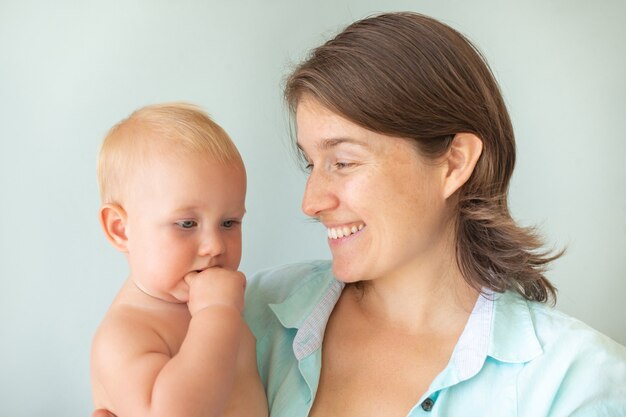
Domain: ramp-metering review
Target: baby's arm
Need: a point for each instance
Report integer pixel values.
(141, 377)
(248, 395)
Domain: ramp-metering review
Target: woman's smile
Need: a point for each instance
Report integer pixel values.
(339, 232)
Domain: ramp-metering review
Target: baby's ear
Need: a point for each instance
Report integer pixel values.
(113, 220)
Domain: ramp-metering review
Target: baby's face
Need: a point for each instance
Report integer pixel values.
(184, 215)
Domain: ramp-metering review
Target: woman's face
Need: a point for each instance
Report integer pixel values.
(381, 202)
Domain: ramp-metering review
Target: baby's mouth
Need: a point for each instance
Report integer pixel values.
(344, 231)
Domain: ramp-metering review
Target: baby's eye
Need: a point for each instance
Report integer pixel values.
(228, 224)
(187, 224)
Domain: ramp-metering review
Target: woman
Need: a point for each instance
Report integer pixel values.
(434, 303)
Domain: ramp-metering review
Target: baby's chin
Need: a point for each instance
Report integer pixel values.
(178, 296)
(181, 297)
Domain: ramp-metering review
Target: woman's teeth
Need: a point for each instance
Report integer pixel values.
(339, 232)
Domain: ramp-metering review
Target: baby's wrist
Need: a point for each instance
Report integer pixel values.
(218, 309)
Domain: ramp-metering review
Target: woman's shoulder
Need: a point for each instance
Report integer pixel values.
(552, 328)
(556, 329)
(588, 366)
(579, 369)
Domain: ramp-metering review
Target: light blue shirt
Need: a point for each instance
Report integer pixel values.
(514, 358)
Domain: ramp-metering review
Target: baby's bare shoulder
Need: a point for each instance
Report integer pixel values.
(126, 331)
(129, 330)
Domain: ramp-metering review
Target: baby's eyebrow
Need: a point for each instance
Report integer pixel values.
(185, 208)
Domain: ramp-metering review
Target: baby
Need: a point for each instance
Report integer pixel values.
(174, 343)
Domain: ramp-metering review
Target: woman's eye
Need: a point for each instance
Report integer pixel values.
(187, 224)
(341, 165)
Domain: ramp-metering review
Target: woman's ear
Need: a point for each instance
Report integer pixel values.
(113, 220)
(461, 160)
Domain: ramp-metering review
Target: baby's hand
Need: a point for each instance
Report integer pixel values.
(215, 287)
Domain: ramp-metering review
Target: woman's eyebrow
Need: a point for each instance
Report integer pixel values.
(331, 143)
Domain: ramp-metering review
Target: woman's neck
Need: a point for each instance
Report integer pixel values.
(419, 297)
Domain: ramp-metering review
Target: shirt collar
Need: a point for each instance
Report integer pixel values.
(470, 351)
(308, 309)
(500, 325)
(298, 305)
(513, 337)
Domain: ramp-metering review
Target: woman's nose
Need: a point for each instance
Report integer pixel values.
(318, 195)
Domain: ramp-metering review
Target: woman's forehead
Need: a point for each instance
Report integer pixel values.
(322, 128)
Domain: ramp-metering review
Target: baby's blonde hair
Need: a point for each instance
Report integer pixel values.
(180, 128)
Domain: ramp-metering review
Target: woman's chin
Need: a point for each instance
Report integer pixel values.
(346, 273)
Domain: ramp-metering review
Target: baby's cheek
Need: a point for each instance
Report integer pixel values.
(233, 256)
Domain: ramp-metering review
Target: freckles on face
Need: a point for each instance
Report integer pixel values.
(375, 183)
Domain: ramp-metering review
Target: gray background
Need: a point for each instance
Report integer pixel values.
(71, 69)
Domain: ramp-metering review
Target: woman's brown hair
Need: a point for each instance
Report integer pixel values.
(411, 76)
